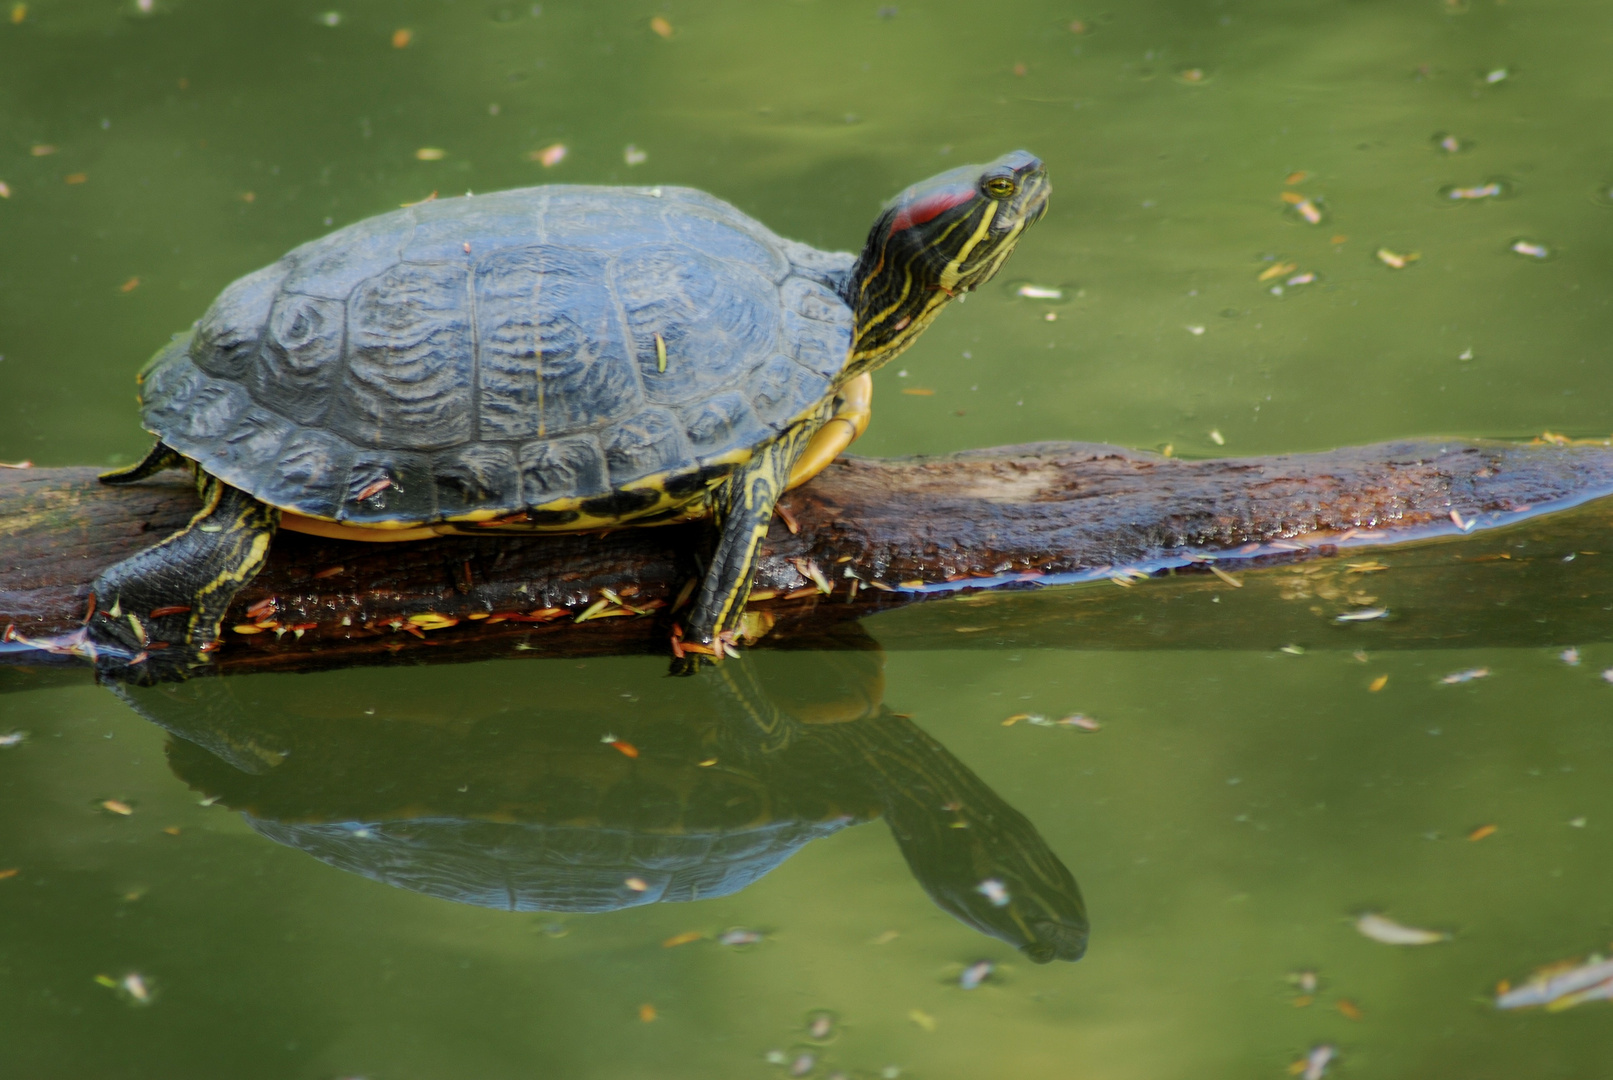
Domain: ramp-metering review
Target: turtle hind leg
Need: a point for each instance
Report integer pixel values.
(161, 457)
(744, 509)
(155, 616)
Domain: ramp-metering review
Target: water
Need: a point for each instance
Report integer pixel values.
(1238, 804)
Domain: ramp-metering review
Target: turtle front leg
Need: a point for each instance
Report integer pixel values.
(155, 616)
(743, 511)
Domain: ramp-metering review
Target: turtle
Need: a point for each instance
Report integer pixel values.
(528, 810)
(555, 358)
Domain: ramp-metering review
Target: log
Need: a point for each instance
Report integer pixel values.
(1023, 541)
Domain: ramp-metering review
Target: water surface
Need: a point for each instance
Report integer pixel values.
(1238, 804)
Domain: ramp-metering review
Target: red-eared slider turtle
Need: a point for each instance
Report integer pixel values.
(547, 359)
(528, 810)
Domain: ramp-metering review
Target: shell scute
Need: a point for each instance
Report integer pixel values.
(479, 476)
(310, 474)
(211, 411)
(820, 347)
(256, 438)
(643, 445)
(554, 469)
(813, 300)
(720, 423)
(334, 265)
(486, 223)
(226, 339)
(388, 486)
(780, 388)
(408, 381)
(301, 356)
(726, 239)
(553, 359)
(712, 320)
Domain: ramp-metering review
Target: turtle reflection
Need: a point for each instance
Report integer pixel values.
(700, 795)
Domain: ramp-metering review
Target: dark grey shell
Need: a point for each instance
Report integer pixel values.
(550, 867)
(497, 353)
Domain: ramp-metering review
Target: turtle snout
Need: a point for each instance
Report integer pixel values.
(1056, 941)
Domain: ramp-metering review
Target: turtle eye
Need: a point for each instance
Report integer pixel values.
(1000, 187)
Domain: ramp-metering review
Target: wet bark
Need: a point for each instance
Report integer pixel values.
(992, 530)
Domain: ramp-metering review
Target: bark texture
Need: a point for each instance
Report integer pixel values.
(874, 535)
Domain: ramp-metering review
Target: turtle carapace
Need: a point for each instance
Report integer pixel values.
(546, 359)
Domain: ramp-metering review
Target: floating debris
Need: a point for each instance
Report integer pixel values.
(1305, 981)
(1450, 143)
(1607, 676)
(1395, 260)
(820, 1025)
(134, 987)
(430, 153)
(1495, 189)
(1194, 329)
(1313, 1066)
(1363, 615)
(1481, 832)
(401, 38)
(1217, 438)
(738, 936)
(1224, 576)
(661, 26)
(549, 156)
(626, 749)
(975, 974)
(1456, 677)
(637, 884)
(917, 391)
(5, 191)
(1309, 277)
(13, 738)
(116, 806)
(634, 156)
(1349, 1009)
(1305, 207)
(995, 891)
(1569, 656)
(682, 939)
(1561, 986)
(329, 18)
(647, 1013)
(922, 1019)
(1079, 720)
(803, 1063)
(1498, 75)
(1381, 928)
(1531, 249)
(1040, 292)
(1377, 684)
(10, 872)
(1277, 270)
(1192, 76)
(885, 938)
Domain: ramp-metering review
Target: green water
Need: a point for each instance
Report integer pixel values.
(1238, 805)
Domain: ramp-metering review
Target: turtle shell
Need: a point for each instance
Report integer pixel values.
(584, 352)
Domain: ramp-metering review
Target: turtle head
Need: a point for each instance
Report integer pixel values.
(1038, 912)
(935, 241)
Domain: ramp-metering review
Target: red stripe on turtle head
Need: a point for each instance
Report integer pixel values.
(930, 206)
